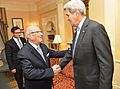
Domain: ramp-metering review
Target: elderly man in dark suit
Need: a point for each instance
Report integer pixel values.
(12, 47)
(91, 50)
(35, 60)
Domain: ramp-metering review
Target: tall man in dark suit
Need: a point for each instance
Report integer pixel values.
(12, 47)
(91, 50)
(35, 60)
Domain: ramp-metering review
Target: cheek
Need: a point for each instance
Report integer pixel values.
(17, 35)
(71, 18)
(39, 38)
(74, 19)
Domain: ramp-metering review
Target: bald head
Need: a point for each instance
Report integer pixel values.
(34, 34)
(31, 29)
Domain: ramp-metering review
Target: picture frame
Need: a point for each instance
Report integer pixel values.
(18, 22)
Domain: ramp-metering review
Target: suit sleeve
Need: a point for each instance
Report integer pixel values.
(66, 59)
(57, 54)
(32, 72)
(104, 56)
(53, 53)
(8, 52)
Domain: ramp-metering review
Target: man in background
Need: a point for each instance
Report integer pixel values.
(12, 47)
(91, 50)
(35, 57)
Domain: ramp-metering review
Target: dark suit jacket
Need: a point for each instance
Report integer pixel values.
(38, 74)
(11, 50)
(93, 61)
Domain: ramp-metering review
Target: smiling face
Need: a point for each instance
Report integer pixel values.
(17, 33)
(36, 36)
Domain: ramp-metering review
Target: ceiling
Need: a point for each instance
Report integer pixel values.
(21, 1)
(25, 5)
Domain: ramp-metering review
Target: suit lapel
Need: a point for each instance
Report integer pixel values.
(45, 54)
(34, 52)
(83, 30)
(74, 39)
(14, 43)
(23, 41)
(82, 33)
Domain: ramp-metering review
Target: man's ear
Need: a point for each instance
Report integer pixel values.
(77, 13)
(28, 36)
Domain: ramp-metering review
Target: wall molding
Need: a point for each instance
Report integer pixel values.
(117, 61)
(115, 86)
(18, 6)
(43, 4)
(116, 78)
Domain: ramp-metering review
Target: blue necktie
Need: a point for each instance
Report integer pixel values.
(76, 38)
(41, 53)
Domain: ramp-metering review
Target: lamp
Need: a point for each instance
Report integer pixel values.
(57, 40)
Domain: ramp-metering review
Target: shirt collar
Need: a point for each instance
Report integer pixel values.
(15, 39)
(34, 45)
(81, 23)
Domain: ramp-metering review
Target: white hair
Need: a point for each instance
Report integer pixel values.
(31, 29)
(76, 5)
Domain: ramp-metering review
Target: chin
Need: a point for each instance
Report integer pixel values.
(41, 41)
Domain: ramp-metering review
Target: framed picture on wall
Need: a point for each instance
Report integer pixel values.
(18, 22)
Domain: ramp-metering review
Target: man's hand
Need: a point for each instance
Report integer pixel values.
(13, 71)
(56, 69)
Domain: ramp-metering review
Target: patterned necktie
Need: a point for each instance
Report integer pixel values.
(41, 53)
(76, 38)
(20, 44)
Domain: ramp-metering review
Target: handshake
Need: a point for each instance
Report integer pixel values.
(56, 69)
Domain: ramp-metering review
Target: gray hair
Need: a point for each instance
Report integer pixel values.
(31, 29)
(75, 5)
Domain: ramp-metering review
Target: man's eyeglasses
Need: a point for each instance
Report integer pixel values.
(17, 32)
(37, 32)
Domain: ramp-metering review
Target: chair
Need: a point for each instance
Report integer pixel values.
(65, 79)
(4, 68)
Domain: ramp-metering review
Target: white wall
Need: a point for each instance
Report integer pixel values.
(96, 10)
(116, 83)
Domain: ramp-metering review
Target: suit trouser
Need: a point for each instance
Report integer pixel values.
(37, 85)
(19, 77)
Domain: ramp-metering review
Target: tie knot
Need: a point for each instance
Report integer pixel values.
(20, 43)
(78, 29)
(38, 48)
(40, 52)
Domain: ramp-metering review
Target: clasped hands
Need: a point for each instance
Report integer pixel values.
(56, 69)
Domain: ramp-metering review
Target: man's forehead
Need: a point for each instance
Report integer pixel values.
(36, 30)
(17, 30)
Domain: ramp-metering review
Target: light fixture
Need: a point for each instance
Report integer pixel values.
(57, 40)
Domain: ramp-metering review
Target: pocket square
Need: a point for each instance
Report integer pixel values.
(47, 54)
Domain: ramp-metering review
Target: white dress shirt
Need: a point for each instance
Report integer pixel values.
(19, 42)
